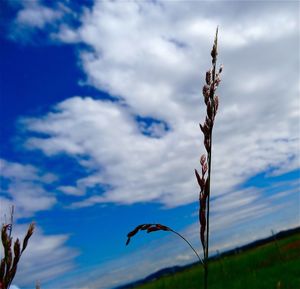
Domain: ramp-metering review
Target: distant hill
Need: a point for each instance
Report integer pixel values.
(156, 275)
(264, 241)
(175, 269)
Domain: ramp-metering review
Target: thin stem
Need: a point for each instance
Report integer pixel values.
(188, 244)
(11, 220)
(158, 227)
(207, 222)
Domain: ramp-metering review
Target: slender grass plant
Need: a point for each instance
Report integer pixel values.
(211, 100)
(12, 253)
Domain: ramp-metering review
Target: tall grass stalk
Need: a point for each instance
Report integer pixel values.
(212, 79)
(211, 101)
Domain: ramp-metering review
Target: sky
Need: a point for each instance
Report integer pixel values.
(100, 103)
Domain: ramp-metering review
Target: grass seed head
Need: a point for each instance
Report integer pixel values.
(212, 81)
(12, 254)
(28, 235)
(149, 227)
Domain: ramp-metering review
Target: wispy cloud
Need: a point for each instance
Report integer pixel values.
(254, 221)
(24, 187)
(157, 73)
(36, 18)
(46, 258)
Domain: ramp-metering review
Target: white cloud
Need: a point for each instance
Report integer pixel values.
(24, 187)
(146, 54)
(37, 16)
(69, 190)
(106, 140)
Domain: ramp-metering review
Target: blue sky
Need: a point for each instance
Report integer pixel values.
(100, 105)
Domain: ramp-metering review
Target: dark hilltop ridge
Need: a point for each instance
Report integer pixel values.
(173, 270)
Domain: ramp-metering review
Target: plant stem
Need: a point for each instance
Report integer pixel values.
(207, 220)
(159, 227)
(179, 235)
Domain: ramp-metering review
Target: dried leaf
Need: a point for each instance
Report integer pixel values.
(28, 235)
(199, 180)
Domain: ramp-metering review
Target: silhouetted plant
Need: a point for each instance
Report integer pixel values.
(211, 101)
(12, 254)
(212, 79)
(158, 227)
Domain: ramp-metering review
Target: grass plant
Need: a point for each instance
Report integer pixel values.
(211, 101)
(12, 253)
(212, 79)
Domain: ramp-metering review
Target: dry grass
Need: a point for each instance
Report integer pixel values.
(158, 227)
(12, 253)
(212, 79)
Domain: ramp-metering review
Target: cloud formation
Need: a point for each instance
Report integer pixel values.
(36, 20)
(148, 55)
(168, 250)
(24, 187)
(151, 57)
(37, 16)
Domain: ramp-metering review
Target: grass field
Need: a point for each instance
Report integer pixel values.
(274, 265)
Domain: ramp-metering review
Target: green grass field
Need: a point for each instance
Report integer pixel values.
(274, 265)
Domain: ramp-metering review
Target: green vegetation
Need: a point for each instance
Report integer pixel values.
(274, 265)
